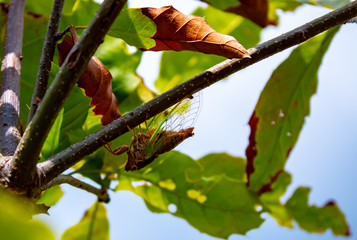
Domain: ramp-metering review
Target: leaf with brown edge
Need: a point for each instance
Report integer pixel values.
(177, 31)
(254, 10)
(281, 110)
(95, 80)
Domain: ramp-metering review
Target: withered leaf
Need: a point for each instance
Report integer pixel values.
(96, 81)
(177, 31)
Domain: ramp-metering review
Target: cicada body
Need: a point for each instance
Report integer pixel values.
(162, 134)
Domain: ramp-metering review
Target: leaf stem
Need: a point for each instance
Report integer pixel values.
(21, 170)
(48, 51)
(67, 158)
(10, 80)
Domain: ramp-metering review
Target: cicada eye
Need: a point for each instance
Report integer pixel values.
(134, 168)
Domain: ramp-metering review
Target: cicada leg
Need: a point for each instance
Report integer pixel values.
(117, 151)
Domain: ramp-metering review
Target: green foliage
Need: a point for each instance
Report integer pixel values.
(291, 5)
(316, 219)
(223, 4)
(46, 6)
(34, 34)
(81, 14)
(71, 118)
(135, 28)
(15, 223)
(281, 109)
(93, 225)
(310, 218)
(211, 193)
(272, 202)
(51, 196)
(198, 192)
(327, 3)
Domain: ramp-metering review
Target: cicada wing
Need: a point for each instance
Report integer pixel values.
(181, 116)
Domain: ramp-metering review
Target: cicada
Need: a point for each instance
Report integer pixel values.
(162, 134)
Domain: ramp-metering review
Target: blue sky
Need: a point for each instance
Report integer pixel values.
(324, 157)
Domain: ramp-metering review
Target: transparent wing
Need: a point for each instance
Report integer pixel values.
(181, 116)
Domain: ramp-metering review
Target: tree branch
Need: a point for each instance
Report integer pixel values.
(48, 51)
(10, 79)
(353, 20)
(102, 194)
(57, 164)
(20, 170)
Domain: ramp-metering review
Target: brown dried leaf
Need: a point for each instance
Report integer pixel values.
(254, 10)
(177, 31)
(96, 81)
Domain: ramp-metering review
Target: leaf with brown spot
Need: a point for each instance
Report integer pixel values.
(95, 80)
(281, 110)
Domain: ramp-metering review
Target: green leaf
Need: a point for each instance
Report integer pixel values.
(71, 118)
(328, 3)
(215, 203)
(92, 167)
(15, 223)
(75, 112)
(52, 141)
(272, 202)
(316, 219)
(310, 218)
(93, 225)
(45, 7)
(283, 5)
(80, 15)
(134, 28)
(223, 4)
(291, 5)
(221, 164)
(281, 109)
(247, 33)
(34, 34)
(51, 196)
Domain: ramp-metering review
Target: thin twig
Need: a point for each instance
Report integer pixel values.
(64, 32)
(10, 79)
(102, 194)
(48, 51)
(67, 158)
(21, 169)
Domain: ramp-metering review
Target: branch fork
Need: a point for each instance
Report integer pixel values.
(23, 172)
